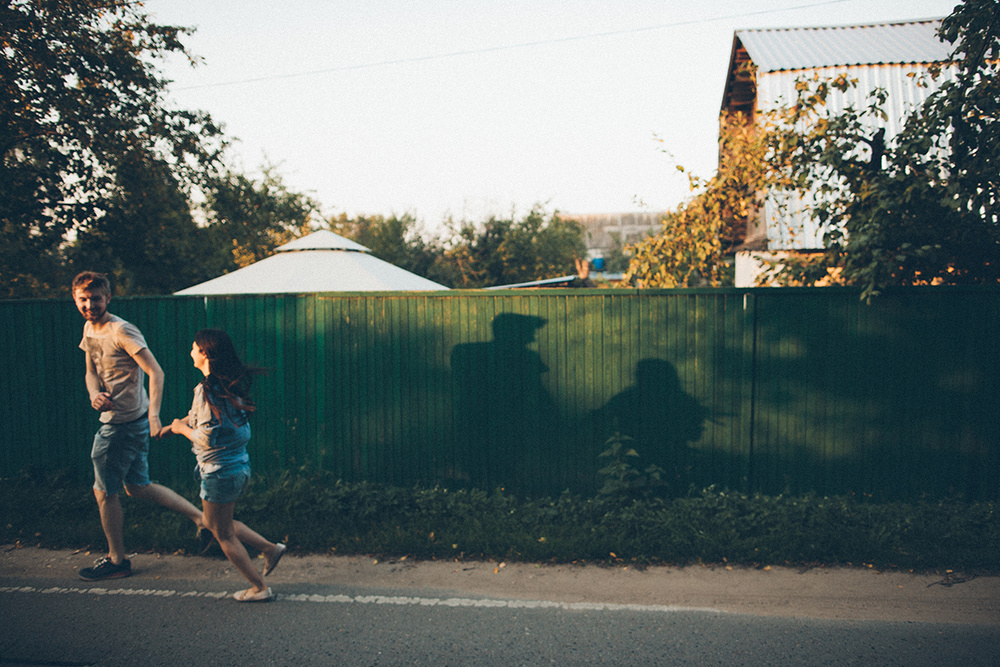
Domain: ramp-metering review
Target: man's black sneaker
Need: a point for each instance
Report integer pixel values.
(105, 569)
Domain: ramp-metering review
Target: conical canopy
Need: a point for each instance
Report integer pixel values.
(320, 262)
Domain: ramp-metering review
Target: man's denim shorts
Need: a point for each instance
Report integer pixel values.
(225, 485)
(120, 455)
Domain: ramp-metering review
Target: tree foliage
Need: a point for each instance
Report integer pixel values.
(970, 105)
(505, 251)
(691, 248)
(471, 255)
(147, 238)
(78, 91)
(616, 256)
(253, 216)
(922, 207)
(892, 215)
(398, 239)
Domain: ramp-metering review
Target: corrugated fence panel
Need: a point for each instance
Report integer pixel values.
(41, 360)
(895, 399)
(776, 391)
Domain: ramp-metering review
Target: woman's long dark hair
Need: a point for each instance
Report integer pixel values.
(228, 377)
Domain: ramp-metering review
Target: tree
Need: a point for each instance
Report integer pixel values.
(970, 105)
(925, 207)
(506, 251)
(147, 238)
(616, 256)
(922, 207)
(78, 90)
(398, 240)
(691, 248)
(252, 217)
(892, 214)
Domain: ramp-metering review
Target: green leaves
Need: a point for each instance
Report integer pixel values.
(251, 217)
(622, 481)
(78, 91)
(503, 251)
(691, 248)
(922, 208)
(315, 512)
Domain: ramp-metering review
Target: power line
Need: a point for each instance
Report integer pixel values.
(509, 47)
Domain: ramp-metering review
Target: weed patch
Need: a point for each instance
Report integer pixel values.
(314, 512)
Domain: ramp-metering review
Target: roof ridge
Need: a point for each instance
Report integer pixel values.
(887, 43)
(322, 239)
(845, 26)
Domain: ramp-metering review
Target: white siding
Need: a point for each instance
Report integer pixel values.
(788, 224)
(902, 82)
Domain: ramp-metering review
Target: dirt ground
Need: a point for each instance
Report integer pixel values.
(832, 593)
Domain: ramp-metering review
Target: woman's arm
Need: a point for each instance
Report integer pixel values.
(180, 427)
(200, 424)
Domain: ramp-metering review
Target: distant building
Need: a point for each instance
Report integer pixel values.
(891, 56)
(605, 231)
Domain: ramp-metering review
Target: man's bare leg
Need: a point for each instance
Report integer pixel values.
(167, 498)
(112, 521)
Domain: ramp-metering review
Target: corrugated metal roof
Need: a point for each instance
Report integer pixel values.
(547, 282)
(777, 49)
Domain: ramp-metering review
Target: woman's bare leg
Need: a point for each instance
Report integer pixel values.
(218, 517)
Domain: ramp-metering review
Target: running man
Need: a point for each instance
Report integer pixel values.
(117, 363)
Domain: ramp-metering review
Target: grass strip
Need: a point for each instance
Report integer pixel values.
(316, 513)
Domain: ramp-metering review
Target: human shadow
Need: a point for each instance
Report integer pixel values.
(504, 415)
(662, 421)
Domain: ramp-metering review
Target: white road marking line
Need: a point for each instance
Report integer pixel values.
(375, 599)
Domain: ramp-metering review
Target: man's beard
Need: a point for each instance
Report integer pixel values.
(92, 315)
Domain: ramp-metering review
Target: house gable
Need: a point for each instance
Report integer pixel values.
(765, 65)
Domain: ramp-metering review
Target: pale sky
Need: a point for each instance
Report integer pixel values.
(471, 108)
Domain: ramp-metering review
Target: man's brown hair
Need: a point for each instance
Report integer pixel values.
(92, 281)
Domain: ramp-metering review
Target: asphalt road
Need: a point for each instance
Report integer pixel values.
(178, 610)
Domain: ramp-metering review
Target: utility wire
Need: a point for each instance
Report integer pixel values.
(508, 47)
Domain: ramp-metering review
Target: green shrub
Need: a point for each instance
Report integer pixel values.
(317, 513)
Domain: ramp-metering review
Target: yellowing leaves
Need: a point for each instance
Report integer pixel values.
(690, 249)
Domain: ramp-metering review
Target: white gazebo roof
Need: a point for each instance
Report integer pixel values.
(320, 262)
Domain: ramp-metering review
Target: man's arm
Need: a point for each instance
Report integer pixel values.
(100, 400)
(147, 362)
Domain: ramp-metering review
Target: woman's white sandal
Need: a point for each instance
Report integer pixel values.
(248, 595)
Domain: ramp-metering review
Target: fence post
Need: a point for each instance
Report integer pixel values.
(749, 392)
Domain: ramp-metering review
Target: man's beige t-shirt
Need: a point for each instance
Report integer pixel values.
(111, 351)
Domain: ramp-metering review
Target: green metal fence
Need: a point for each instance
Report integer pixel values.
(772, 391)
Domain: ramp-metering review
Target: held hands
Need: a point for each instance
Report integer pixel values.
(155, 427)
(177, 426)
